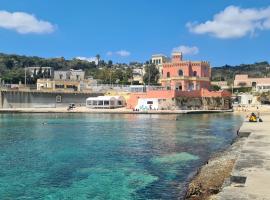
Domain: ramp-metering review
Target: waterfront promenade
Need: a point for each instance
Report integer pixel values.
(110, 111)
(251, 173)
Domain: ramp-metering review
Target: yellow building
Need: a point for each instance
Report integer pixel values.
(158, 60)
(65, 85)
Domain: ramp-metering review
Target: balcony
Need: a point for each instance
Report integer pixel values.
(186, 78)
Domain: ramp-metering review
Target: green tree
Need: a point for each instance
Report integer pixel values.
(151, 75)
(98, 59)
(215, 87)
(110, 63)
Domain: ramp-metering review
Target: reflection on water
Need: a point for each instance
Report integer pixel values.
(102, 156)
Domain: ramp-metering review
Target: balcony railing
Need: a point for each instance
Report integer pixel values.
(190, 78)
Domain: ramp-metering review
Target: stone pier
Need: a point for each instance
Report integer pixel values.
(250, 178)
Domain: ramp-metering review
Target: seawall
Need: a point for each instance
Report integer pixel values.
(39, 99)
(250, 177)
(240, 172)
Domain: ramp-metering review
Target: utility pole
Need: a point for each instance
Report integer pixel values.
(110, 77)
(149, 76)
(25, 76)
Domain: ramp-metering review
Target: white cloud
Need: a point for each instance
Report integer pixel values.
(24, 23)
(186, 50)
(234, 22)
(88, 59)
(122, 53)
(109, 53)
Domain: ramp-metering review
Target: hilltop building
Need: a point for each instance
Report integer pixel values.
(33, 71)
(72, 75)
(70, 80)
(158, 60)
(222, 84)
(258, 84)
(137, 74)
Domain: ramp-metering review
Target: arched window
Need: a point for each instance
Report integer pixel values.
(194, 73)
(168, 75)
(179, 87)
(191, 86)
(180, 72)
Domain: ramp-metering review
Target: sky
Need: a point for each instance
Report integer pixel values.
(219, 31)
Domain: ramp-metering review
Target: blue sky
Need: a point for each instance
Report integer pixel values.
(125, 30)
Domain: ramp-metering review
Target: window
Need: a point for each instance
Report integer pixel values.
(194, 73)
(70, 86)
(59, 86)
(253, 84)
(61, 76)
(58, 99)
(78, 77)
(94, 102)
(180, 72)
(100, 103)
(149, 102)
(191, 86)
(106, 103)
(89, 103)
(120, 103)
(168, 75)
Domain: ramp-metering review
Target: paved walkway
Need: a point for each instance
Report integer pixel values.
(118, 111)
(253, 164)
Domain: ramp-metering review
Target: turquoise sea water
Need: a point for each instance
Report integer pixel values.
(103, 156)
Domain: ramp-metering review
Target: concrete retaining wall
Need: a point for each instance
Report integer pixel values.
(24, 99)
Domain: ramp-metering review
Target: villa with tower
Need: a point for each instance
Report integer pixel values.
(185, 75)
(184, 85)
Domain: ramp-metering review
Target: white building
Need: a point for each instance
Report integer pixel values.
(103, 102)
(263, 87)
(33, 71)
(147, 104)
(137, 74)
(73, 75)
(244, 99)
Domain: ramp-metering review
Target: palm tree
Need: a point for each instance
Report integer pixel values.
(98, 59)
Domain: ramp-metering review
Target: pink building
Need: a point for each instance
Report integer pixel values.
(242, 80)
(185, 86)
(185, 75)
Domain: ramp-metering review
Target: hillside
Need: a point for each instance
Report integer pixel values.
(227, 72)
(12, 68)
